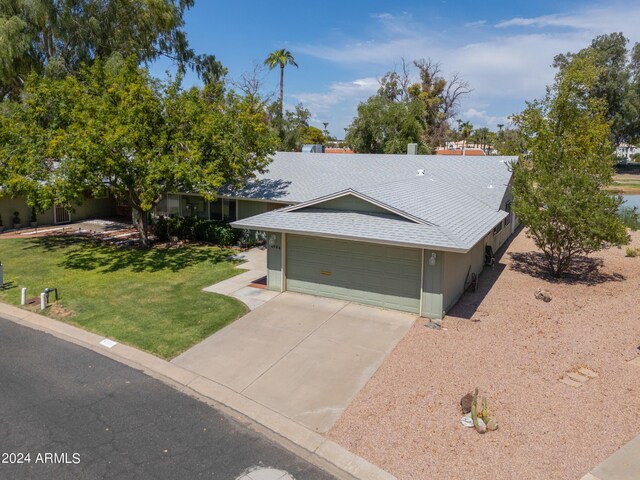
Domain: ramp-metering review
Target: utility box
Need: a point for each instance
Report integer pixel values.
(412, 149)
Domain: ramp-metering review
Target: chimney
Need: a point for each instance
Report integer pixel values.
(412, 149)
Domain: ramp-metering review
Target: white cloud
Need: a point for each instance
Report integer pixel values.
(480, 118)
(338, 103)
(478, 23)
(507, 64)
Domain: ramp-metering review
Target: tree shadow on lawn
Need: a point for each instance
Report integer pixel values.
(82, 253)
(582, 271)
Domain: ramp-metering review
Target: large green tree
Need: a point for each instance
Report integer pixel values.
(559, 186)
(404, 112)
(57, 36)
(280, 58)
(618, 82)
(114, 126)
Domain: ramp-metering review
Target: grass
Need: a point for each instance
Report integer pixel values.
(151, 299)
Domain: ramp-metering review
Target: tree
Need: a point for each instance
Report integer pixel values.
(291, 128)
(282, 58)
(386, 127)
(618, 82)
(58, 36)
(466, 128)
(114, 126)
(559, 187)
(402, 112)
(314, 136)
(510, 141)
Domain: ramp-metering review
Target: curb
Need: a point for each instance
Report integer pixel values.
(302, 441)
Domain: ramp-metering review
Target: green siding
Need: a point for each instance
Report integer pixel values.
(460, 266)
(351, 203)
(432, 297)
(372, 274)
(274, 261)
(247, 208)
(90, 208)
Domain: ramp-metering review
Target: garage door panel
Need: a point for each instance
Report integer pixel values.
(372, 274)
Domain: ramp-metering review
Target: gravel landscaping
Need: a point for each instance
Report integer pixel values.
(514, 348)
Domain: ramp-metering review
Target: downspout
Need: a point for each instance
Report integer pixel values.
(283, 276)
(421, 281)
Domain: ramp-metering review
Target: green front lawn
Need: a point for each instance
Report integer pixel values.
(151, 299)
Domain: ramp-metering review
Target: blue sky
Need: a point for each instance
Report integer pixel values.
(504, 49)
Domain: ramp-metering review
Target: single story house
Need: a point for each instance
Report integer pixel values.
(92, 206)
(404, 232)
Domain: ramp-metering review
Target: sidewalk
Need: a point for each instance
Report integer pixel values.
(622, 465)
(240, 286)
(300, 440)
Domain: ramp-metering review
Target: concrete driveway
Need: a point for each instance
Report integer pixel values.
(305, 357)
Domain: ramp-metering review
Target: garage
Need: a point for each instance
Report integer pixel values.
(372, 274)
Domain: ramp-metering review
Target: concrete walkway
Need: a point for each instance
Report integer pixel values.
(302, 356)
(301, 440)
(240, 286)
(622, 465)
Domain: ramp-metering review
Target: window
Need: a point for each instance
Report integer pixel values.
(229, 210)
(215, 210)
(193, 206)
(497, 228)
(507, 208)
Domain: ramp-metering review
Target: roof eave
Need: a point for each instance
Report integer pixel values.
(239, 224)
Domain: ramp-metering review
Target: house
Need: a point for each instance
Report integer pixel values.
(398, 231)
(626, 152)
(93, 206)
(469, 151)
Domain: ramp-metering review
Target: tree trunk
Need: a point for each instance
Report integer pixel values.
(281, 90)
(142, 224)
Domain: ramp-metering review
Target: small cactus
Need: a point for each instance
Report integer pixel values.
(485, 413)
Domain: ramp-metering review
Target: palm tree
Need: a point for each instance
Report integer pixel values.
(280, 57)
(465, 130)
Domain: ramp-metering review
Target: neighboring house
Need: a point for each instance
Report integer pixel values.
(467, 151)
(91, 207)
(625, 152)
(399, 231)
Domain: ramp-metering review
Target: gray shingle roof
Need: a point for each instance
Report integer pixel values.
(454, 204)
(298, 177)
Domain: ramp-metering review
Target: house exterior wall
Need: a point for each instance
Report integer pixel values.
(459, 267)
(432, 285)
(91, 207)
(274, 261)
(352, 203)
(249, 208)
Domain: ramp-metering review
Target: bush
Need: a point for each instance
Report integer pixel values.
(630, 218)
(633, 252)
(189, 228)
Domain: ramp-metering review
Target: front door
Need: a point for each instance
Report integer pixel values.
(61, 214)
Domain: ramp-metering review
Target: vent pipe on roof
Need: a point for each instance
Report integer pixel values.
(420, 172)
(412, 149)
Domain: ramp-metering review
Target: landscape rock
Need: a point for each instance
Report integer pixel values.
(482, 428)
(543, 295)
(492, 425)
(465, 402)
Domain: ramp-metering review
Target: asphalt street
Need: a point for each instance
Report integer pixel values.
(80, 415)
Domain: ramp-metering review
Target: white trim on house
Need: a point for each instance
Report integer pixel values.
(306, 233)
(283, 261)
(421, 279)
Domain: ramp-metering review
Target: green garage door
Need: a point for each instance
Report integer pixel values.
(367, 273)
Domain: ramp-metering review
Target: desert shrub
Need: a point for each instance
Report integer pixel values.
(633, 252)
